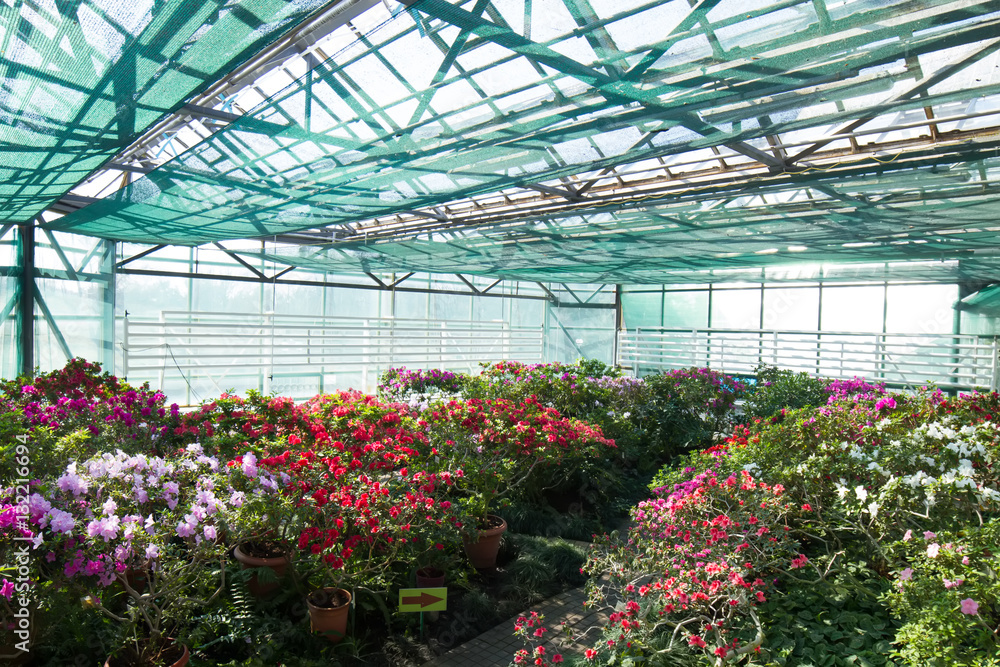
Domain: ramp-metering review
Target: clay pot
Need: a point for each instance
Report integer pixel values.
(430, 577)
(180, 662)
(483, 552)
(278, 564)
(328, 611)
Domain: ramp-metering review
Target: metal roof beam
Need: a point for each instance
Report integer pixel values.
(918, 89)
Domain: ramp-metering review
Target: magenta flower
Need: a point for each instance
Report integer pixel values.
(7, 589)
(970, 607)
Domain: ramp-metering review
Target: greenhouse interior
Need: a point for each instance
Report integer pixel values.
(686, 312)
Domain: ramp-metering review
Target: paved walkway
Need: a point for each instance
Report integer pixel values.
(565, 618)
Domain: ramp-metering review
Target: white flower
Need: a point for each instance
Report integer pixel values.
(862, 494)
(873, 509)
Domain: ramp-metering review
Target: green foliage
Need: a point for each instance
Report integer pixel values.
(834, 621)
(942, 570)
(686, 409)
(777, 389)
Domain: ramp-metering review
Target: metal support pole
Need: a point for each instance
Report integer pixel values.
(26, 300)
(619, 325)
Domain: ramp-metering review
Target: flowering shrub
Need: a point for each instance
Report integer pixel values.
(134, 518)
(686, 409)
(498, 445)
(76, 411)
(530, 629)
(856, 388)
(778, 389)
(400, 384)
(948, 595)
(355, 526)
(697, 562)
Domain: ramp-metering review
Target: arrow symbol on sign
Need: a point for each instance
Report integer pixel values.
(422, 600)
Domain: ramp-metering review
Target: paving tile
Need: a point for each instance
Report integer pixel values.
(496, 647)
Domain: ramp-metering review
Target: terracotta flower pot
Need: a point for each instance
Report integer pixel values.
(483, 552)
(179, 662)
(430, 577)
(328, 611)
(278, 564)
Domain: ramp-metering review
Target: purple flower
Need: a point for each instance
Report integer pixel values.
(970, 607)
(61, 522)
(209, 532)
(236, 500)
(7, 589)
(152, 552)
(72, 483)
(110, 507)
(249, 464)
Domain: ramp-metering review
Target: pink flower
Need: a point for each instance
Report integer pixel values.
(933, 549)
(695, 640)
(970, 607)
(906, 574)
(556, 658)
(953, 584)
(908, 535)
(799, 561)
(928, 535)
(965, 560)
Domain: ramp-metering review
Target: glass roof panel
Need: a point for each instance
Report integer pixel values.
(82, 79)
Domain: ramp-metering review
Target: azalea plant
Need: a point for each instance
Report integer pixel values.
(151, 525)
(693, 568)
(76, 411)
(494, 447)
(402, 384)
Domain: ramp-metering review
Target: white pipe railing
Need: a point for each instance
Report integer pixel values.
(947, 360)
(302, 355)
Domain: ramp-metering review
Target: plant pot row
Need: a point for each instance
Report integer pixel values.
(329, 607)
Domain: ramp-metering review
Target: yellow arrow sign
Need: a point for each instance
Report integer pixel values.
(423, 599)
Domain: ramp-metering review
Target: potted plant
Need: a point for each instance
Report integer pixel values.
(264, 522)
(120, 519)
(361, 530)
(493, 449)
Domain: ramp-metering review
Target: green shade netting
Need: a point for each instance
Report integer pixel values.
(450, 100)
(80, 80)
(868, 213)
(984, 302)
